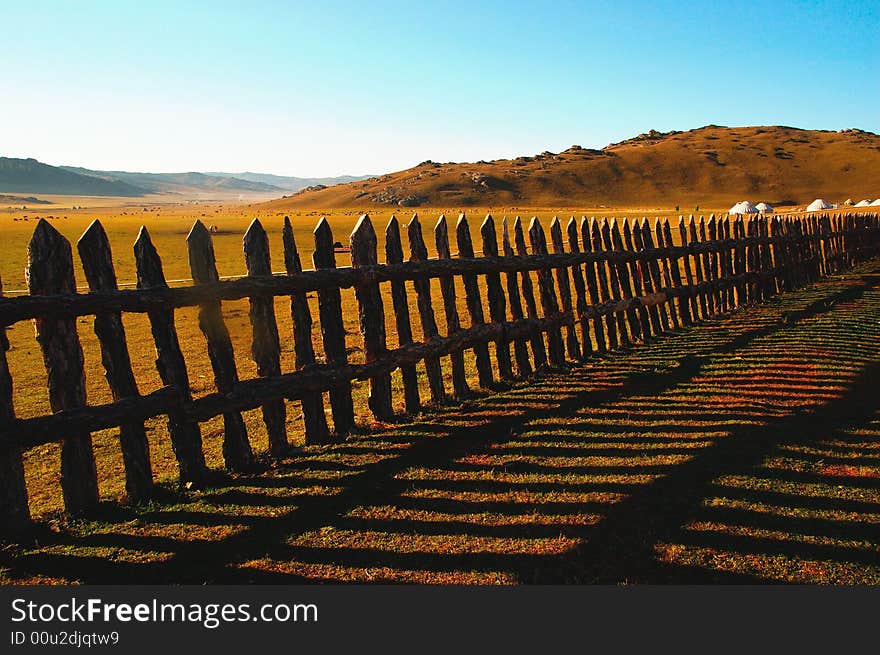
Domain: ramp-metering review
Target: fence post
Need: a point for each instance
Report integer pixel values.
(692, 297)
(495, 294)
(649, 317)
(97, 261)
(593, 287)
(394, 255)
(450, 309)
(50, 271)
(419, 252)
(265, 344)
(614, 242)
(474, 302)
(539, 352)
(332, 327)
(659, 266)
(15, 515)
(614, 321)
(547, 290)
(186, 438)
(694, 242)
(371, 314)
(571, 340)
(520, 346)
(580, 290)
(673, 272)
(236, 449)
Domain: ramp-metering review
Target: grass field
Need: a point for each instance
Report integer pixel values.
(745, 450)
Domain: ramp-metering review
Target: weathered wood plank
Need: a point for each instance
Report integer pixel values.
(590, 269)
(15, 515)
(708, 272)
(613, 241)
(539, 352)
(495, 295)
(693, 298)
(474, 302)
(580, 289)
(418, 252)
(698, 268)
(400, 304)
(450, 309)
(520, 346)
(237, 452)
(572, 344)
(332, 327)
(674, 269)
(97, 261)
(50, 271)
(265, 343)
(653, 261)
(613, 322)
(186, 437)
(371, 314)
(640, 273)
(547, 292)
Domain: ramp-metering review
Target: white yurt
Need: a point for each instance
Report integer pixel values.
(876, 203)
(743, 207)
(864, 203)
(764, 207)
(818, 205)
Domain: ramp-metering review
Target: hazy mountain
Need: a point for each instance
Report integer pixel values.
(292, 183)
(31, 176)
(178, 182)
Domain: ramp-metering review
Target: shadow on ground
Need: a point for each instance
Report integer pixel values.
(746, 450)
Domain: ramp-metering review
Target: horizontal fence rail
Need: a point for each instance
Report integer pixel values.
(590, 287)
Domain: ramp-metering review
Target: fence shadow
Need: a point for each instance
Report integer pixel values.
(747, 451)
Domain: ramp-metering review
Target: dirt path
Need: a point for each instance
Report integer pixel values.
(746, 450)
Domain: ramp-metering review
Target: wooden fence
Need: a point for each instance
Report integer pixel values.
(600, 286)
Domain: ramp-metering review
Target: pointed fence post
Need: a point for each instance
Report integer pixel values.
(614, 321)
(237, 451)
(49, 272)
(497, 302)
(665, 237)
(332, 327)
(580, 289)
(450, 309)
(642, 283)
(692, 297)
(186, 438)
(652, 264)
(265, 344)
(539, 352)
(547, 289)
(613, 241)
(571, 341)
(394, 255)
(314, 417)
(592, 268)
(520, 344)
(97, 261)
(371, 313)
(15, 515)
(418, 252)
(474, 302)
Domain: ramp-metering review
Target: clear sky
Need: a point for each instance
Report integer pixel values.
(329, 87)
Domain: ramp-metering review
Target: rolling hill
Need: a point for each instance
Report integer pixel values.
(32, 176)
(712, 166)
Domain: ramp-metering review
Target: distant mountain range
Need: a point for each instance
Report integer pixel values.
(32, 176)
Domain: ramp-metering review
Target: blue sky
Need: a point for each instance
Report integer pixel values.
(332, 87)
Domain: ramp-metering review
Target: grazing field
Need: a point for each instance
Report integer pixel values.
(746, 450)
(168, 225)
